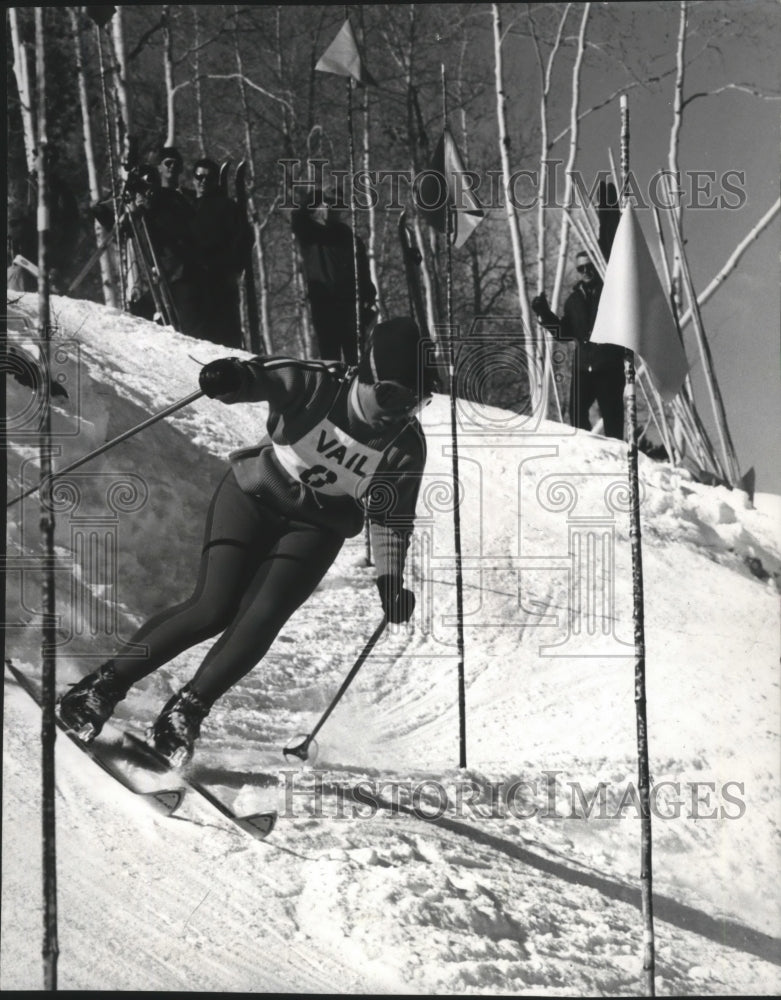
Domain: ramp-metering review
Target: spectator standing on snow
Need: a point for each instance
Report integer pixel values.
(597, 369)
(278, 519)
(167, 216)
(221, 239)
(326, 247)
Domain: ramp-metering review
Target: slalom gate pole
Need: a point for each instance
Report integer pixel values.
(356, 281)
(110, 151)
(51, 949)
(301, 750)
(110, 444)
(635, 538)
(454, 464)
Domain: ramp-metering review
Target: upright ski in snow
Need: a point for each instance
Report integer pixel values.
(248, 291)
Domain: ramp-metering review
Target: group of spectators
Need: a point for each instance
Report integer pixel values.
(201, 241)
(197, 240)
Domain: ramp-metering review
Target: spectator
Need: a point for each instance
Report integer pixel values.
(326, 246)
(166, 215)
(170, 166)
(221, 239)
(598, 369)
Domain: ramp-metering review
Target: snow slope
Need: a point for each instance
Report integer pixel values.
(391, 869)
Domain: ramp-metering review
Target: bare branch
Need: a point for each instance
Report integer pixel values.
(252, 85)
(744, 88)
(608, 100)
(141, 43)
(731, 263)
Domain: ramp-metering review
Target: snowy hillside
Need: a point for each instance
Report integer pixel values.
(391, 870)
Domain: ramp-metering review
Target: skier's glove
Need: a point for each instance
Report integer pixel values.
(221, 378)
(398, 603)
(540, 303)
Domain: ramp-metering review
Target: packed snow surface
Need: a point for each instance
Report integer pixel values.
(392, 869)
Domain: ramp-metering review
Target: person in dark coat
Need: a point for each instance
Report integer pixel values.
(598, 369)
(221, 239)
(167, 216)
(326, 247)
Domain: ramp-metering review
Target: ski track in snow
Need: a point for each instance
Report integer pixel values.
(374, 880)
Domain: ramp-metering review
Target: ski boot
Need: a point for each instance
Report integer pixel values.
(90, 702)
(178, 726)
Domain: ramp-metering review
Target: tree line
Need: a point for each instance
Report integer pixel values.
(238, 82)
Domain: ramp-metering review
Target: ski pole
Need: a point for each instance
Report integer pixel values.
(110, 444)
(301, 750)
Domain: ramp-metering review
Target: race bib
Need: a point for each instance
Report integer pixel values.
(329, 460)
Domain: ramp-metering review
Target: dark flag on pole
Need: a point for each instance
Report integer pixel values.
(343, 58)
(448, 182)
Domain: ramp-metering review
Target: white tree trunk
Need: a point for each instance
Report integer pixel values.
(106, 277)
(22, 74)
(546, 74)
(120, 81)
(201, 136)
(570, 166)
(512, 218)
(675, 131)
(263, 311)
(168, 74)
(371, 244)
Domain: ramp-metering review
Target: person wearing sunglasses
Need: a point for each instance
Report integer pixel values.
(597, 369)
(170, 166)
(222, 237)
(341, 444)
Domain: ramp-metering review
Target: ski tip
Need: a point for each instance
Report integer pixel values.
(166, 800)
(259, 825)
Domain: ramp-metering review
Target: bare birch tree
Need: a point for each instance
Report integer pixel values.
(168, 75)
(571, 158)
(512, 217)
(106, 277)
(260, 257)
(23, 85)
(199, 127)
(120, 82)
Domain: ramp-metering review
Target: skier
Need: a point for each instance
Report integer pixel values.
(598, 369)
(340, 442)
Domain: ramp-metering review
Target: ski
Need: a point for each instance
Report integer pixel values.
(225, 167)
(166, 800)
(257, 825)
(249, 293)
(412, 258)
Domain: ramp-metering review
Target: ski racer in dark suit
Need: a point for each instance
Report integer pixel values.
(339, 443)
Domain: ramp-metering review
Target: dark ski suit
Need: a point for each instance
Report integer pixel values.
(279, 517)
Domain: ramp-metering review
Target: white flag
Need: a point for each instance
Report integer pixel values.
(634, 310)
